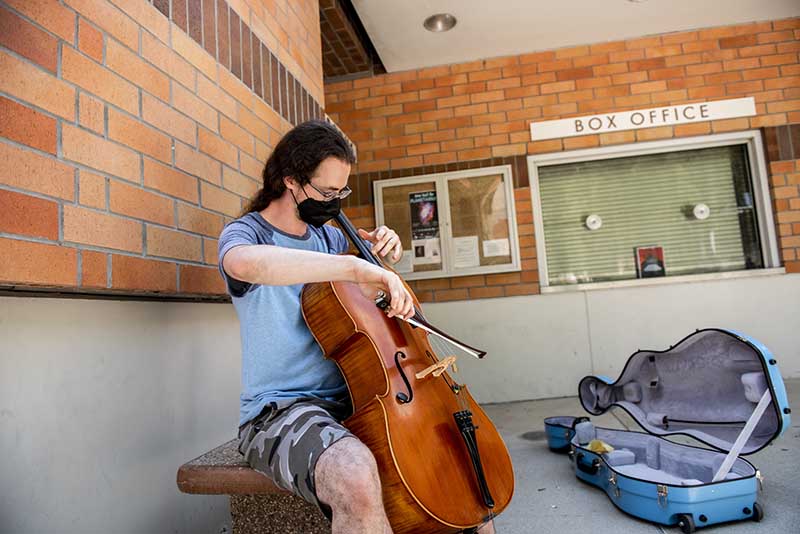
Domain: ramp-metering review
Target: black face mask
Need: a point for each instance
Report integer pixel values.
(318, 212)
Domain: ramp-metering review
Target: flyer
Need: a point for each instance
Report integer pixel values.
(424, 227)
(496, 247)
(650, 262)
(466, 252)
(405, 264)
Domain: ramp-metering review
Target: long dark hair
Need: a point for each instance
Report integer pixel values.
(298, 154)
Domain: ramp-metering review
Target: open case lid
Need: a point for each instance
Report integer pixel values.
(706, 386)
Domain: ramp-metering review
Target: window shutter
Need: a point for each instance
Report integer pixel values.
(643, 201)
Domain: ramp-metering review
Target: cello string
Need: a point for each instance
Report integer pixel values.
(440, 351)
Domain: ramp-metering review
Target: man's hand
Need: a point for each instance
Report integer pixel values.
(372, 279)
(384, 240)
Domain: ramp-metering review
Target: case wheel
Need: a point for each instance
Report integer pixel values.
(758, 512)
(686, 523)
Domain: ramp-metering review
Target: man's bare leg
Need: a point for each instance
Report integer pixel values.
(487, 528)
(347, 480)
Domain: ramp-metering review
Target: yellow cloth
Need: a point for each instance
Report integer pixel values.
(599, 446)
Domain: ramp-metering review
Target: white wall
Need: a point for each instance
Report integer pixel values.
(102, 401)
(542, 345)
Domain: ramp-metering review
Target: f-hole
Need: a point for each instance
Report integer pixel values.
(401, 397)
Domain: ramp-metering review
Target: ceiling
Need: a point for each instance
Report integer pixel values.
(495, 28)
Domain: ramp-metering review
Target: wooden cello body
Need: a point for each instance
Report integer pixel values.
(434, 480)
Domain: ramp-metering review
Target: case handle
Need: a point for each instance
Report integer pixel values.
(588, 469)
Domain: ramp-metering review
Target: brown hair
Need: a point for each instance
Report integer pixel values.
(298, 154)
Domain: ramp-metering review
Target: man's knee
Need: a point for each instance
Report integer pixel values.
(346, 475)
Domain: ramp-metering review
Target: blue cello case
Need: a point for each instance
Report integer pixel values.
(718, 386)
(560, 429)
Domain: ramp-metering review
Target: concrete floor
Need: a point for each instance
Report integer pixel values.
(549, 498)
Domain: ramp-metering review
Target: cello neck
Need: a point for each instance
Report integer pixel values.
(418, 320)
(351, 232)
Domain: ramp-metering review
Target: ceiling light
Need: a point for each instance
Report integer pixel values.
(441, 22)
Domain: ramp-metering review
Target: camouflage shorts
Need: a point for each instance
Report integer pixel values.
(287, 438)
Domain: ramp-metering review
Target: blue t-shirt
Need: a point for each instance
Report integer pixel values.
(280, 358)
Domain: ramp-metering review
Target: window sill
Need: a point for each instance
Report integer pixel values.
(752, 273)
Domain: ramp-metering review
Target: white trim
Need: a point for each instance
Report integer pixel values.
(445, 226)
(666, 280)
(758, 173)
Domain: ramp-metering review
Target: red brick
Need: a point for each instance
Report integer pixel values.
(198, 164)
(167, 60)
(91, 113)
(91, 227)
(745, 87)
(138, 136)
(591, 61)
(132, 273)
(83, 147)
(50, 14)
(488, 96)
(173, 244)
(201, 280)
(738, 42)
(28, 170)
(167, 119)
(92, 189)
(219, 200)
(780, 59)
(583, 141)
(469, 111)
(94, 267)
(27, 215)
(648, 87)
(27, 126)
(238, 183)
(199, 221)
(660, 51)
(486, 292)
(170, 181)
(574, 74)
(98, 80)
(27, 82)
(188, 103)
(111, 19)
(90, 40)
(467, 67)
(38, 264)
(236, 135)
(484, 75)
(611, 68)
(140, 204)
(27, 40)
(130, 66)
(217, 147)
(451, 294)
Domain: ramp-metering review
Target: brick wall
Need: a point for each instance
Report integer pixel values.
(478, 114)
(132, 130)
(785, 182)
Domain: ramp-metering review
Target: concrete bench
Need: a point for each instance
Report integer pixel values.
(258, 506)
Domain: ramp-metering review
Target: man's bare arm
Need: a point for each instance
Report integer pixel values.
(279, 266)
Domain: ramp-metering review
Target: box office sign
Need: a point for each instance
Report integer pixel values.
(643, 118)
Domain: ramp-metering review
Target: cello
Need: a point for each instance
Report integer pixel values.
(443, 466)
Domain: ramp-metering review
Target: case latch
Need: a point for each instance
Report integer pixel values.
(612, 479)
(760, 479)
(662, 495)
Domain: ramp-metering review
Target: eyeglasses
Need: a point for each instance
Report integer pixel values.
(330, 195)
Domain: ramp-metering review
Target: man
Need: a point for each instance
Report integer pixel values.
(292, 398)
